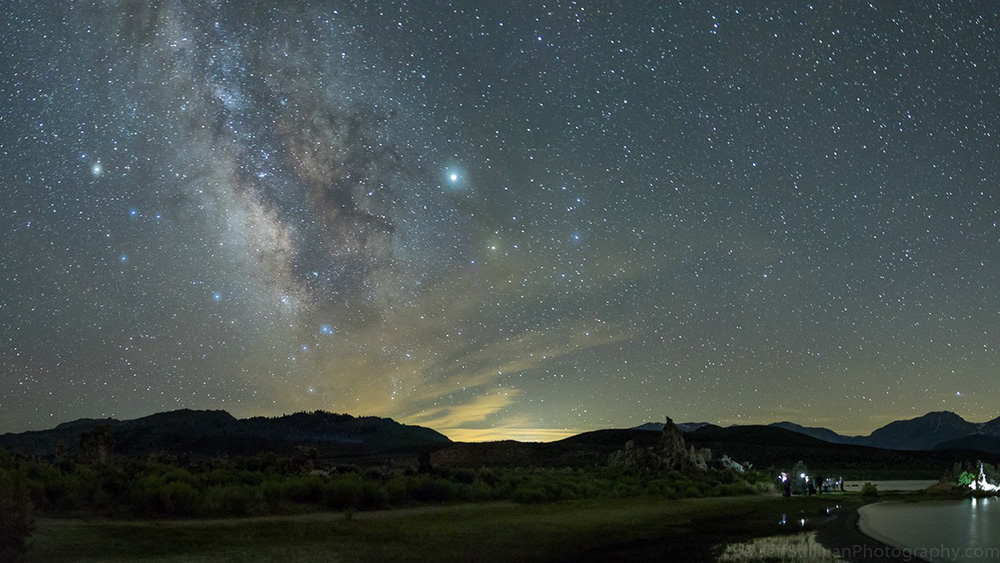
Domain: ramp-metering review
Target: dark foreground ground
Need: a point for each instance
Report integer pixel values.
(843, 538)
(634, 530)
(834, 519)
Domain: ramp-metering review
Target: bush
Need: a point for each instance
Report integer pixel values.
(271, 491)
(16, 516)
(463, 476)
(342, 493)
(489, 476)
(230, 500)
(425, 488)
(308, 489)
(395, 491)
(179, 499)
(869, 490)
(528, 494)
(178, 474)
(731, 489)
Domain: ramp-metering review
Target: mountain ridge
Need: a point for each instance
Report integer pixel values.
(209, 433)
(933, 431)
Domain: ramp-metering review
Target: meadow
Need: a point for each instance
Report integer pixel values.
(579, 530)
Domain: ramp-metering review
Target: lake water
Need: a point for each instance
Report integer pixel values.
(961, 530)
(886, 486)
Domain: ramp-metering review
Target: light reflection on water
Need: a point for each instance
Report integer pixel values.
(895, 485)
(784, 521)
(961, 530)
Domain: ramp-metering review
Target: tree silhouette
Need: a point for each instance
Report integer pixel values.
(97, 446)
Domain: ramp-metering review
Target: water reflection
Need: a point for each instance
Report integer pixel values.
(979, 518)
(802, 521)
(957, 528)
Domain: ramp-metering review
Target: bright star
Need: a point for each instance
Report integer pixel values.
(326, 329)
(454, 178)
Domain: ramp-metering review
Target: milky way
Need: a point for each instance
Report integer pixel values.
(500, 221)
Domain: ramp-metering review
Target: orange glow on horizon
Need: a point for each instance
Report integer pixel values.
(519, 434)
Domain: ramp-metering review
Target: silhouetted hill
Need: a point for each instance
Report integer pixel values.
(933, 431)
(214, 433)
(824, 434)
(976, 442)
(45, 442)
(768, 446)
(922, 433)
(754, 435)
(85, 423)
(763, 446)
(611, 440)
(583, 450)
(991, 428)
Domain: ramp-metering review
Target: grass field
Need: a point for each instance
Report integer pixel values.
(586, 530)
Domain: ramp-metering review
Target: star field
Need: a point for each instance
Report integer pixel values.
(500, 220)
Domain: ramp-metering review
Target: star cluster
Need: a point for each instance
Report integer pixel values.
(500, 221)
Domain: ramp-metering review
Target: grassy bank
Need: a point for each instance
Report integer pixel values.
(692, 529)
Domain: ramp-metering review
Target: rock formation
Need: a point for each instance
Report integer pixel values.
(670, 454)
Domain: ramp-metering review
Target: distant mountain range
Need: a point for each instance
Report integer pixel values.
(925, 446)
(933, 431)
(763, 447)
(216, 433)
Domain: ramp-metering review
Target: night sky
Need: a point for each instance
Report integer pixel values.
(515, 220)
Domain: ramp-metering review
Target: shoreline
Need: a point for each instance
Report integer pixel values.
(833, 535)
(842, 536)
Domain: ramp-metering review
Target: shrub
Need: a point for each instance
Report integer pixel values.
(179, 499)
(463, 476)
(112, 488)
(528, 494)
(271, 491)
(567, 493)
(16, 516)
(489, 476)
(869, 490)
(342, 493)
(395, 491)
(730, 489)
(373, 496)
(230, 500)
(308, 489)
(354, 493)
(144, 497)
(178, 474)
